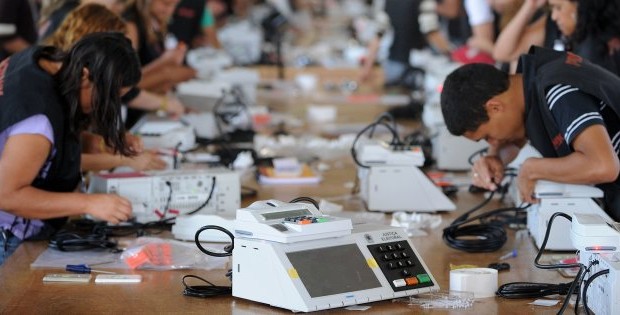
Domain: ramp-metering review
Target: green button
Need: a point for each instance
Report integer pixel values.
(423, 278)
(320, 220)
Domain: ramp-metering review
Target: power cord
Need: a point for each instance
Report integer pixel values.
(587, 285)
(227, 250)
(514, 287)
(210, 290)
(208, 198)
(67, 241)
(476, 238)
(371, 127)
(528, 290)
(306, 199)
(480, 153)
(204, 291)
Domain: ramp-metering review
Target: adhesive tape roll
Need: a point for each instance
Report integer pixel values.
(482, 282)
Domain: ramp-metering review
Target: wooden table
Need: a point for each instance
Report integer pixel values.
(23, 292)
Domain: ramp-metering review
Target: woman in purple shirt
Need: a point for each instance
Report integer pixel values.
(47, 97)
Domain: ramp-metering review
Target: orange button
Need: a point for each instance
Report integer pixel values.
(305, 221)
(411, 281)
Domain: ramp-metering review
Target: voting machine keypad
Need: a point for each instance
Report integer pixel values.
(400, 265)
(305, 219)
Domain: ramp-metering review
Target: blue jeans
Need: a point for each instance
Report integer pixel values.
(8, 244)
(393, 71)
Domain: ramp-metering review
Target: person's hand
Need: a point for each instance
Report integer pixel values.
(174, 106)
(365, 74)
(176, 55)
(145, 161)
(526, 184)
(109, 207)
(488, 172)
(134, 142)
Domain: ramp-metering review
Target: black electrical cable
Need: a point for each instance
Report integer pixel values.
(571, 290)
(70, 242)
(227, 250)
(210, 290)
(581, 281)
(208, 198)
(385, 116)
(475, 238)
(528, 290)
(104, 230)
(204, 291)
(582, 268)
(480, 152)
(306, 199)
(587, 284)
(378, 122)
(544, 244)
(139, 229)
(168, 200)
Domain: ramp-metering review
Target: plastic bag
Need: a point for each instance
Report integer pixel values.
(164, 254)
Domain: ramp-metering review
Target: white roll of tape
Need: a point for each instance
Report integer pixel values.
(482, 282)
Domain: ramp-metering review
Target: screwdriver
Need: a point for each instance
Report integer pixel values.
(83, 268)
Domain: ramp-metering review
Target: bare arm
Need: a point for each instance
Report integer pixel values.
(143, 161)
(22, 158)
(517, 37)
(211, 37)
(593, 162)
(449, 8)
(371, 56)
(482, 37)
(151, 101)
(439, 42)
(165, 78)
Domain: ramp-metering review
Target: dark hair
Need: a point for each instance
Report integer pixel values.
(465, 91)
(597, 19)
(112, 64)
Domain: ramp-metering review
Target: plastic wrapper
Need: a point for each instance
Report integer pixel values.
(443, 300)
(164, 254)
(416, 224)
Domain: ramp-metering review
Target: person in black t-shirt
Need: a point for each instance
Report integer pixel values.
(39, 132)
(92, 18)
(406, 35)
(185, 22)
(567, 107)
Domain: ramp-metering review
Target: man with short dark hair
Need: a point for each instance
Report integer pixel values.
(564, 105)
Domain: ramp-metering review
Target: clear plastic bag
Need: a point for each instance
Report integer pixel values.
(164, 254)
(443, 300)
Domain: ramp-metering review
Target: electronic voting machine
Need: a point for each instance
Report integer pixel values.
(292, 256)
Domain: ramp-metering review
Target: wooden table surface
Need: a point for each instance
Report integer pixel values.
(22, 290)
